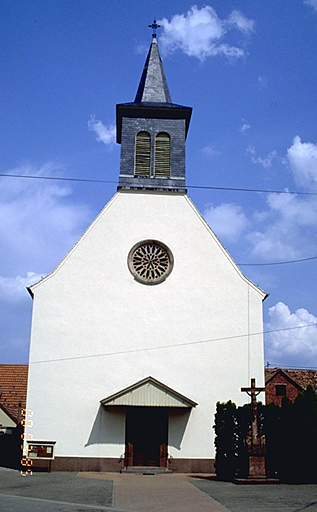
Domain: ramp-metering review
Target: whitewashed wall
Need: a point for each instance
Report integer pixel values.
(96, 330)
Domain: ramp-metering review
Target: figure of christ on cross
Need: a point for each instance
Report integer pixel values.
(254, 441)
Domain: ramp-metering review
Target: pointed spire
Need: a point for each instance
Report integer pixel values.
(153, 86)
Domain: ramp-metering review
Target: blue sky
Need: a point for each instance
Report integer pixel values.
(248, 68)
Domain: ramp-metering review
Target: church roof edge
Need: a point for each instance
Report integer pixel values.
(179, 399)
(226, 252)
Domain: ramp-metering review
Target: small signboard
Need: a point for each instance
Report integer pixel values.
(40, 450)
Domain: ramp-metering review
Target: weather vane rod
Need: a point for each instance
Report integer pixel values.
(154, 26)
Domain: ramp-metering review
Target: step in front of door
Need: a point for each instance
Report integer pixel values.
(147, 470)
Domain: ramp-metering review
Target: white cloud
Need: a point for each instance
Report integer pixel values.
(311, 3)
(141, 49)
(265, 162)
(237, 19)
(293, 209)
(105, 134)
(210, 150)
(263, 82)
(40, 222)
(198, 33)
(286, 227)
(13, 289)
(302, 157)
(278, 232)
(244, 128)
(228, 220)
(282, 237)
(283, 346)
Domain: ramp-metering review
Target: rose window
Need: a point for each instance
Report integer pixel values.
(150, 262)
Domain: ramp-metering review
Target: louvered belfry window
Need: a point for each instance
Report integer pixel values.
(142, 164)
(162, 155)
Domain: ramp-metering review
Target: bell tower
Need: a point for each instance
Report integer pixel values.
(152, 132)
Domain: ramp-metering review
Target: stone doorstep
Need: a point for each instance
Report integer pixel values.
(146, 470)
(256, 480)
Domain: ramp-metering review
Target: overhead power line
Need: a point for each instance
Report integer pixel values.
(235, 189)
(189, 343)
(273, 366)
(32, 177)
(276, 262)
(201, 187)
(85, 180)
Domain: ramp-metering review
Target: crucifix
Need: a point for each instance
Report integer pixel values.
(255, 437)
(154, 26)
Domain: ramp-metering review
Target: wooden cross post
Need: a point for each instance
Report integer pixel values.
(253, 393)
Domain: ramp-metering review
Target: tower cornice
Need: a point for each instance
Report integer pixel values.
(151, 110)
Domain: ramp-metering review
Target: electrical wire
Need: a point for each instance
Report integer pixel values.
(32, 177)
(200, 187)
(189, 343)
(85, 180)
(273, 366)
(275, 263)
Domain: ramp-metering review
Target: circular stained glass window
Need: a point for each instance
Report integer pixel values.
(150, 262)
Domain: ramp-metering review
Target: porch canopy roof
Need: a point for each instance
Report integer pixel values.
(148, 392)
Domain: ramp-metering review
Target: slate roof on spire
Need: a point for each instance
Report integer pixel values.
(153, 98)
(153, 84)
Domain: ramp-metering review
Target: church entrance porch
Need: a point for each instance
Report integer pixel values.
(146, 436)
(149, 406)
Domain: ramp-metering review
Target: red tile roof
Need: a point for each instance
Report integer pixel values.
(13, 387)
(302, 377)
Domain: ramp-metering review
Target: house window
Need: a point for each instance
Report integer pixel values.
(142, 163)
(280, 389)
(162, 155)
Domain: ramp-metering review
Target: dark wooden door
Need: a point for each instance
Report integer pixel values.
(146, 433)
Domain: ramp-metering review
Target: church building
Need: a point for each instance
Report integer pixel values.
(147, 322)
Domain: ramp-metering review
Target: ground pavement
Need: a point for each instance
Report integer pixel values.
(158, 493)
(89, 492)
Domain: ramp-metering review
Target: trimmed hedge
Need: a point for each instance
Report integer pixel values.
(291, 438)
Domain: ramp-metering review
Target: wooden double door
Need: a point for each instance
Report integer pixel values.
(146, 436)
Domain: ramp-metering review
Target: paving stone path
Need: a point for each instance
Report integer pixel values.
(160, 493)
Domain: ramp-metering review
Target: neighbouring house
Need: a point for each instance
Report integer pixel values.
(13, 387)
(280, 383)
(148, 321)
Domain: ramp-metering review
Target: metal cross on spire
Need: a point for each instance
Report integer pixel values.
(154, 26)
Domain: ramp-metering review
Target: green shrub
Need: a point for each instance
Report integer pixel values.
(291, 438)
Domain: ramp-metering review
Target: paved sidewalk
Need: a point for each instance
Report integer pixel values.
(160, 493)
(261, 498)
(112, 492)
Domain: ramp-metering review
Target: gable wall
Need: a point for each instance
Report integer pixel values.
(5, 420)
(92, 305)
(292, 391)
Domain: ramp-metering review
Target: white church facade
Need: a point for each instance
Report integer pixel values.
(148, 321)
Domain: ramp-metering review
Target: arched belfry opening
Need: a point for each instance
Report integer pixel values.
(142, 160)
(162, 155)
